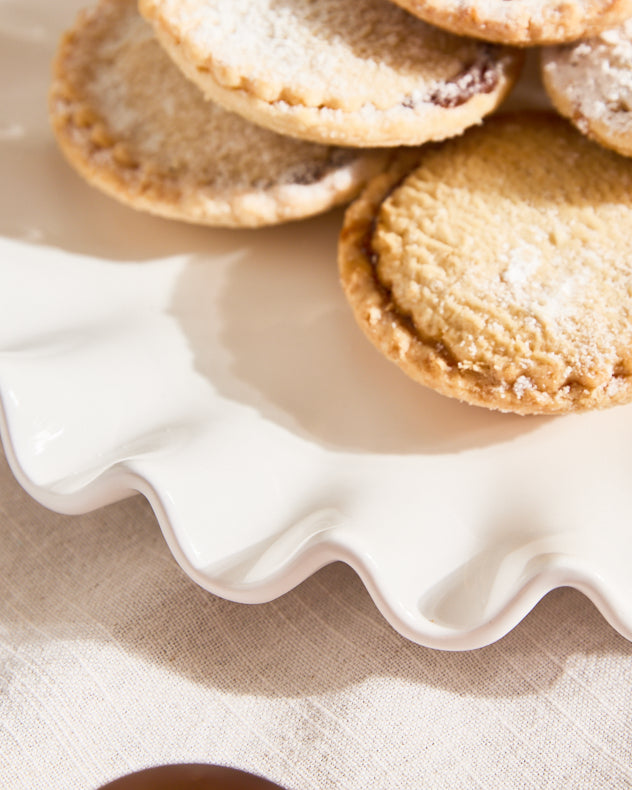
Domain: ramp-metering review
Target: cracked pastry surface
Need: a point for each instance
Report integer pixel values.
(590, 82)
(522, 22)
(133, 125)
(351, 72)
(497, 267)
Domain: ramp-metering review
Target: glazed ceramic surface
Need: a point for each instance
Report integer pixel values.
(220, 374)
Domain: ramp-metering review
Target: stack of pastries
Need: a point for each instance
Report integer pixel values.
(484, 252)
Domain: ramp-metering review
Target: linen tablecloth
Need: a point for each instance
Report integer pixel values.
(113, 660)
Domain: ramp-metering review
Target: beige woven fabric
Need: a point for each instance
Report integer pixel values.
(112, 660)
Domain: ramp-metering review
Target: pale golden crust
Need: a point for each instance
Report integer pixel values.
(132, 124)
(522, 22)
(590, 82)
(387, 80)
(499, 270)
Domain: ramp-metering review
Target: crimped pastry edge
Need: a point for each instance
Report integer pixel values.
(396, 127)
(467, 22)
(390, 331)
(103, 161)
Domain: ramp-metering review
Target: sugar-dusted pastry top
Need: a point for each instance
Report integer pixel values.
(590, 82)
(355, 72)
(133, 125)
(522, 22)
(498, 268)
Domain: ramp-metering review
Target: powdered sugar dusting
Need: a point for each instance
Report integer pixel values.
(529, 281)
(329, 54)
(129, 111)
(525, 22)
(548, 301)
(522, 263)
(148, 103)
(521, 385)
(596, 77)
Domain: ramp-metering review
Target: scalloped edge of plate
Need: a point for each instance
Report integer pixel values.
(118, 481)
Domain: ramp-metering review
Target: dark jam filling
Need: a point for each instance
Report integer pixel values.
(480, 76)
(308, 173)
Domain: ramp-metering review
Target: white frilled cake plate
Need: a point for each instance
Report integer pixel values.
(221, 374)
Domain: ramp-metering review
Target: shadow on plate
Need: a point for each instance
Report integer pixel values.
(477, 590)
(284, 342)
